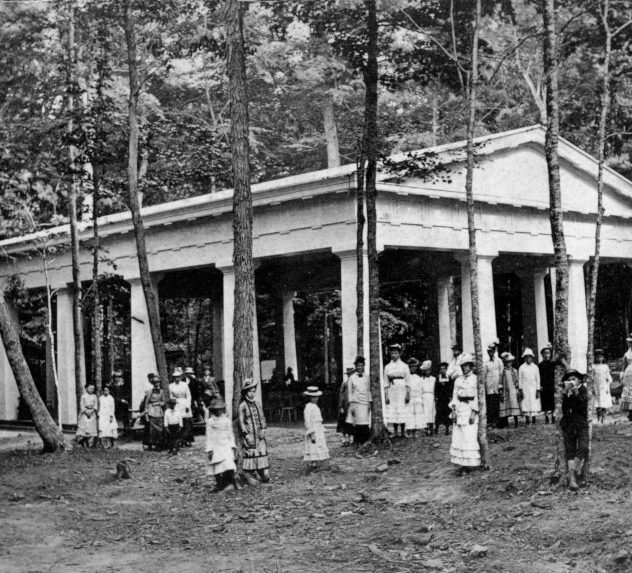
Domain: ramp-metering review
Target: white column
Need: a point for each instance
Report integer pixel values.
(142, 346)
(66, 358)
(577, 318)
(486, 302)
(467, 326)
(541, 318)
(9, 393)
(218, 329)
(228, 313)
(348, 305)
(289, 335)
(445, 333)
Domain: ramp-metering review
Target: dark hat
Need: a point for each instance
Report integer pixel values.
(444, 364)
(572, 372)
(172, 401)
(217, 403)
(456, 347)
(359, 359)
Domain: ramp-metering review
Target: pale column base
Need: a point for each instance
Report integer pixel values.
(65, 358)
(577, 317)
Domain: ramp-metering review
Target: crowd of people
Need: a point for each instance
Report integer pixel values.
(415, 403)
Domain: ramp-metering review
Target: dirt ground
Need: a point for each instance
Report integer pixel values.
(68, 513)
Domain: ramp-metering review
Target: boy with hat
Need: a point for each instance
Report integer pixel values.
(360, 401)
(574, 424)
(220, 443)
(343, 410)
(173, 426)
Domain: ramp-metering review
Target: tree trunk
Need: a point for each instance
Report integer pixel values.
(326, 348)
(471, 230)
(360, 225)
(97, 354)
(452, 310)
(73, 194)
(132, 174)
(370, 149)
(562, 351)
(244, 316)
(46, 427)
(594, 275)
(331, 132)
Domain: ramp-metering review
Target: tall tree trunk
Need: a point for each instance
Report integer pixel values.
(471, 230)
(562, 351)
(109, 337)
(331, 132)
(360, 225)
(370, 148)
(594, 275)
(452, 311)
(97, 353)
(326, 348)
(46, 427)
(73, 195)
(244, 316)
(132, 175)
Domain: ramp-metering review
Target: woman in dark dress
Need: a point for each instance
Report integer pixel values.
(444, 388)
(547, 382)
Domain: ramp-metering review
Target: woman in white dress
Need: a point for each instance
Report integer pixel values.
(465, 450)
(108, 426)
(428, 396)
(181, 392)
(396, 392)
(415, 418)
(87, 428)
(529, 387)
(626, 380)
(315, 443)
(601, 385)
(360, 402)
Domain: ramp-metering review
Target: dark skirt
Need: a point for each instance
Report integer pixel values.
(154, 434)
(547, 398)
(342, 427)
(173, 435)
(443, 412)
(187, 430)
(256, 458)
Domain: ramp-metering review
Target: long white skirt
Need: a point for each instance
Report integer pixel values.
(430, 410)
(224, 462)
(415, 417)
(465, 450)
(107, 428)
(318, 450)
(395, 411)
(530, 404)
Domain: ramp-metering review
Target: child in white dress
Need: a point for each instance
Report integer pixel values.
(415, 419)
(108, 426)
(220, 443)
(315, 442)
(428, 396)
(601, 385)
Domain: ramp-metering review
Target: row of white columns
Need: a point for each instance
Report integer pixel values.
(143, 359)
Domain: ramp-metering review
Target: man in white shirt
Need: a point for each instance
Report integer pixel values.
(493, 370)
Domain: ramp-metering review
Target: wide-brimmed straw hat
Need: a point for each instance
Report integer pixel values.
(426, 365)
(312, 391)
(528, 352)
(507, 356)
(547, 346)
(189, 370)
(248, 384)
(177, 372)
(395, 346)
(413, 361)
(491, 346)
(466, 358)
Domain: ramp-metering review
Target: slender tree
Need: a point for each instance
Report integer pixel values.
(562, 351)
(472, 92)
(46, 427)
(244, 317)
(134, 204)
(73, 196)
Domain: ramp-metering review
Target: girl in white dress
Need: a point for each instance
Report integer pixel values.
(181, 392)
(415, 418)
(315, 442)
(626, 380)
(396, 392)
(601, 385)
(108, 426)
(529, 387)
(220, 443)
(465, 450)
(87, 428)
(428, 396)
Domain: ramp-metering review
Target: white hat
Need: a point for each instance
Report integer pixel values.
(491, 346)
(466, 358)
(426, 365)
(312, 391)
(506, 356)
(177, 372)
(528, 352)
(547, 346)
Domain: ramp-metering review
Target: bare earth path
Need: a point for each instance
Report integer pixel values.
(67, 513)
